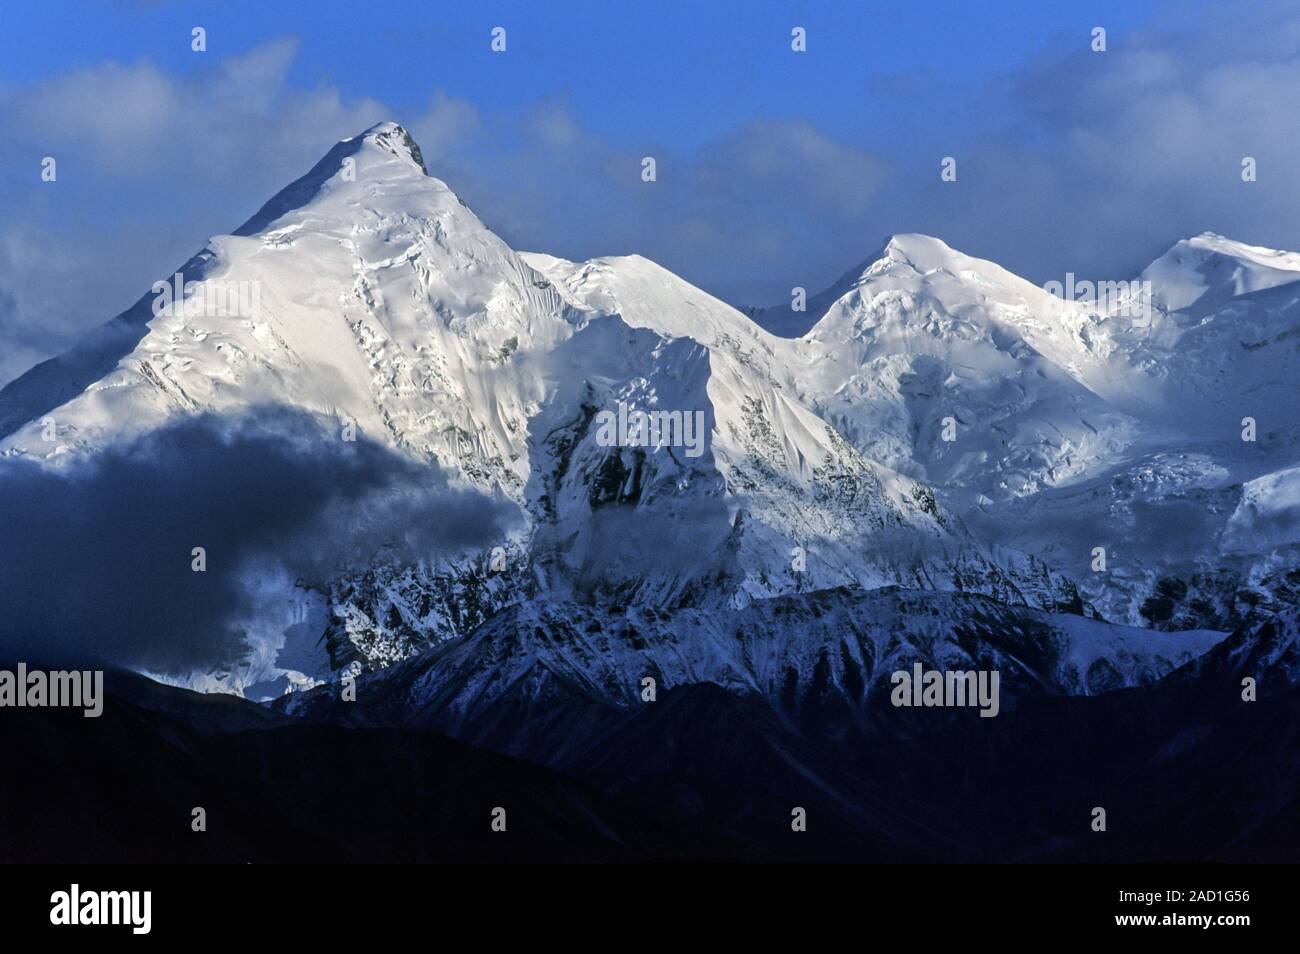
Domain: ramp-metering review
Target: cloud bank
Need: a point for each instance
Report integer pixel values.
(96, 556)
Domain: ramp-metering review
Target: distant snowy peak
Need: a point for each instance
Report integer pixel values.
(1217, 267)
(906, 261)
(928, 270)
(1220, 343)
(788, 320)
(951, 369)
(647, 295)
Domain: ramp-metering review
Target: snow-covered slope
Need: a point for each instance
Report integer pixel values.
(542, 664)
(1224, 343)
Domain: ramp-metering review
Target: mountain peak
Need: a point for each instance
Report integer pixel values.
(912, 250)
(367, 154)
(916, 252)
(393, 137)
(921, 253)
(1214, 243)
(1209, 269)
(914, 244)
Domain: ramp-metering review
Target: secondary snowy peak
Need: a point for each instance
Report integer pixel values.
(907, 260)
(647, 295)
(1220, 342)
(924, 273)
(926, 254)
(786, 321)
(1210, 269)
(953, 370)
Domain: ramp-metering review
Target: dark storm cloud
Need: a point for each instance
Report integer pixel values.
(95, 557)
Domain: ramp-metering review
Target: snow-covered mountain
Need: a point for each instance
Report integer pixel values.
(1210, 270)
(369, 296)
(939, 423)
(939, 464)
(956, 371)
(1156, 423)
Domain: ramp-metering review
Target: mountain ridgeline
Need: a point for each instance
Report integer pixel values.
(938, 423)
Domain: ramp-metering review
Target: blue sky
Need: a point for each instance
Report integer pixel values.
(633, 71)
(775, 168)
